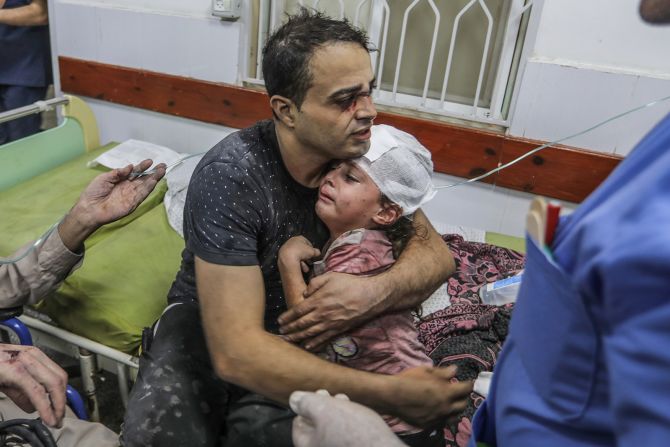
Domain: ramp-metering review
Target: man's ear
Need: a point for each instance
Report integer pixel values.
(387, 215)
(283, 109)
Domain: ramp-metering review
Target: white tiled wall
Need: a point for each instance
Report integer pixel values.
(199, 47)
(121, 123)
(557, 100)
(602, 33)
(480, 205)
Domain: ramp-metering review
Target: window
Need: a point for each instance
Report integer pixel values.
(455, 58)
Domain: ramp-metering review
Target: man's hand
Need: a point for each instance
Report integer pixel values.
(336, 303)
(2, 4)
(112, 195)
(109, 197)
(325, 421)
(297, 251)
(427, 396)
(33, 381)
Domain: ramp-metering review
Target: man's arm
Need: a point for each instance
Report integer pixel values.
(37, 274)
(109, 197)
(232, 304)
(424, 265)
(338, 302)
(34, 14)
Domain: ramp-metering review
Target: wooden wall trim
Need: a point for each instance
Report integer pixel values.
(560, 172)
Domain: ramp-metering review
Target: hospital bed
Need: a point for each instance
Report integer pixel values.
(101, 309)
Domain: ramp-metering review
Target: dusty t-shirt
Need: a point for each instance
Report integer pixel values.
(242, 205)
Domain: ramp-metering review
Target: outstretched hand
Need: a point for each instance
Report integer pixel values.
(112, 195)
(33, 382)
(109, 197)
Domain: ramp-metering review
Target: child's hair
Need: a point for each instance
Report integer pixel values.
(401, 231)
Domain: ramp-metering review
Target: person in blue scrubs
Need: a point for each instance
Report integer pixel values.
(587, 360)
(25, 63)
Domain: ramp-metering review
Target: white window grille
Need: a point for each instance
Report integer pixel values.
(456, 58)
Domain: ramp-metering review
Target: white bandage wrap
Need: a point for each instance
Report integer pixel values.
(400, 166)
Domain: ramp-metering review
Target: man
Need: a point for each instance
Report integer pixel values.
(25, 71)
(29, 379)
(586, 361)
(248, 195)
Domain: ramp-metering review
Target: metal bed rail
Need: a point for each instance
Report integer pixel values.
(37, 107)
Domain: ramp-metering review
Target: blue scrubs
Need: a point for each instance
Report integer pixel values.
(587, 360)
(25, 72)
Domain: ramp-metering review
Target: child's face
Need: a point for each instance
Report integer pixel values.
(348, 199)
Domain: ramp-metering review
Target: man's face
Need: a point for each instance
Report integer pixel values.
(337, 112)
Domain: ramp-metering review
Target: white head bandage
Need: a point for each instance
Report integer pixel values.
(400, 167)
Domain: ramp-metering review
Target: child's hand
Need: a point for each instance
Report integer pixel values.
(298, 250)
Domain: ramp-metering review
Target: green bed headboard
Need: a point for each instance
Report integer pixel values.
(28, 157)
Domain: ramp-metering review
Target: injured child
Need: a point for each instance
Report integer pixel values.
(367, 204)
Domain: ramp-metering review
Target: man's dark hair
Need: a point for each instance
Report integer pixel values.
(288, 51)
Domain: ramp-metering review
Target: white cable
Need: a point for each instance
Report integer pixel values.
(33, 246)
(134, 175)
(546, 145)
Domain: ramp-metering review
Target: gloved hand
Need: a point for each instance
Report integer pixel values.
(326, 421)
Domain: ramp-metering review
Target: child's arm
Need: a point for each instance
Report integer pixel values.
(291, 263)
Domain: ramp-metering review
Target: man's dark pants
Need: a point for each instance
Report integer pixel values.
(178, 400)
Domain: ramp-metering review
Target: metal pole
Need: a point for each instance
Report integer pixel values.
(122, 377)
(88, 372)
(37, 107)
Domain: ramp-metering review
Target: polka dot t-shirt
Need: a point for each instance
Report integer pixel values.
(241, 206)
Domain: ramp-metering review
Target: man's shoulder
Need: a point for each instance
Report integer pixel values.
(242, 153)
(252, 142)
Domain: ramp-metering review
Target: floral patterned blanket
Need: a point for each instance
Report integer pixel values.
(468, 333)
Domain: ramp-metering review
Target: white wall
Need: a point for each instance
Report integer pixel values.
(196, 45)
(120, 123)
(192, 8)
(603, 33)
(591, 60)
(588, 60)
(167, 36)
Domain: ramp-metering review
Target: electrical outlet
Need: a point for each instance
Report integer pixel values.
(227, 9)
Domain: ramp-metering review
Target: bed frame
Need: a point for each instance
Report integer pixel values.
(26, 158)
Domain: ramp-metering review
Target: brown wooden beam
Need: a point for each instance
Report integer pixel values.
(561, 172)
